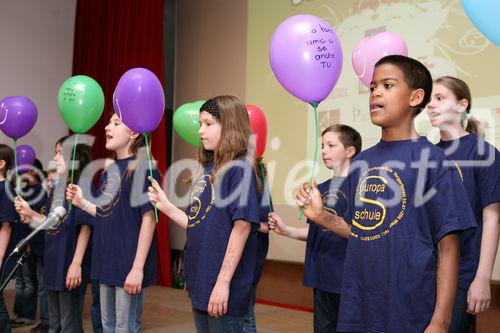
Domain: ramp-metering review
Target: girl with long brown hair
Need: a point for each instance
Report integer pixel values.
(221, 219)
(124, 242)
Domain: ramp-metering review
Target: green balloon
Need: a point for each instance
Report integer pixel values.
(187, 122)
(81, 102)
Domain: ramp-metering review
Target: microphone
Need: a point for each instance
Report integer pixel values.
(54, 216)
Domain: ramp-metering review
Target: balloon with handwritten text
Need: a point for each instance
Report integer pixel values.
(306, 57)
(81, 102)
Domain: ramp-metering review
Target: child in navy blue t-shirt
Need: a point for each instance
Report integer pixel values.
(124, 239)
(221, 219)
(478, 163)
(325, 250)
(405, 213)
(67, 262)
(8, 217)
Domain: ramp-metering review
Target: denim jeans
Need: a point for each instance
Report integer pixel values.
(326, 311)
(120, 312)
(65, 312)
(4, 317)
(25, 300)
(249, 325)
(461, 321)
(95, 307)
(42, 294)
(207, 324)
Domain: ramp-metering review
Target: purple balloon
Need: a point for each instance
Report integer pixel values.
(139, 100)
(18, 115)
(25, 158)
(306, 57)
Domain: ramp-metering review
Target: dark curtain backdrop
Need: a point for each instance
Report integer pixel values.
(112, 36)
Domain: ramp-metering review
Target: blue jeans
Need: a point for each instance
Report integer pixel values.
(120, 312)
(461, 321)
(65, 312)
(326, 311)
(95, 308)
(42, 294)
(4, 317)
(25, 300)
(207, 324)
(250, 326)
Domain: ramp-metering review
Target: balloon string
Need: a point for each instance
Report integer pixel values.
(150, 171)
(315, 107)
(73, 165)
(18, 180)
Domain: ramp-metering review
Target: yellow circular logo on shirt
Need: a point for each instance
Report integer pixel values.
(380, 203)
(110, 193)
(197, 212)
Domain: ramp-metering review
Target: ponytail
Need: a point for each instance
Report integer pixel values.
(474, 126)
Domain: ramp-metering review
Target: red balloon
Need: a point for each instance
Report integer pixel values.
(259, 127)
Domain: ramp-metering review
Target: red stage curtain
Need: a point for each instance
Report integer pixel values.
(111, 37)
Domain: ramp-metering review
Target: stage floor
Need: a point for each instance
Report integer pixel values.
(169, 310)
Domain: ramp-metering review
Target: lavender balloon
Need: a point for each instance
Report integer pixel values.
(139, 100)
(306, 57)
(18, 115)
(25, 158)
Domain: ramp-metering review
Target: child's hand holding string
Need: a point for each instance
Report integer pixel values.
(74, 194)
(157, 196)
(23, 209)
(310, 199)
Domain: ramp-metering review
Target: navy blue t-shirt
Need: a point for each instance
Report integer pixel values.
(60, 244)
(403, 202)
(7, 214)
(121, 204)
(325, 250)
(478, 163)
(211, 215)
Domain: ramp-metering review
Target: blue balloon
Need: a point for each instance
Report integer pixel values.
(484, 14)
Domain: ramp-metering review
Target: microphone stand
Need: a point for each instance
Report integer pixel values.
(19, 262)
